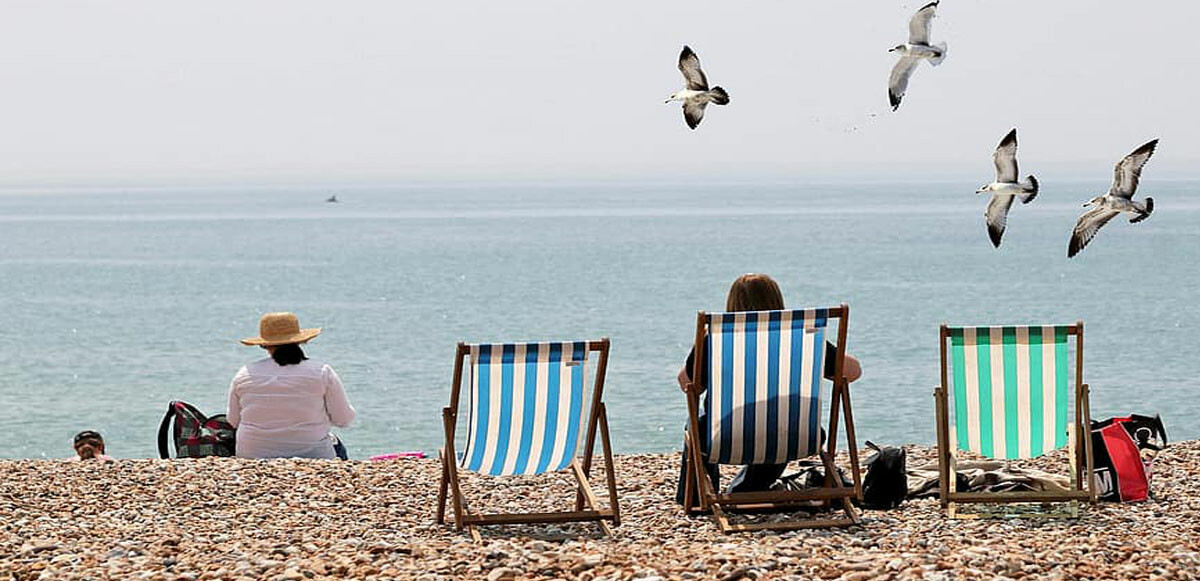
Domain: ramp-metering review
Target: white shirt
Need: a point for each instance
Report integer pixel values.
(285, 411)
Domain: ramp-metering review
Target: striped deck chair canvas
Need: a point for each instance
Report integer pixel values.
(1011, 388)
(762, 405)
(529, 410)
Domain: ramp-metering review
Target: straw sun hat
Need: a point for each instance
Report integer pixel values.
(280, 329)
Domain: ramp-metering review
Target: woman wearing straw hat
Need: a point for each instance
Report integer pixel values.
(284, 405)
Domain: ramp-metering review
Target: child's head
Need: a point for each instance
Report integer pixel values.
(754, 292)
(89, 444)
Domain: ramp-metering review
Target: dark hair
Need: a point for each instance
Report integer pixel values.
(289, 354)
(88, 435)
(754, 292)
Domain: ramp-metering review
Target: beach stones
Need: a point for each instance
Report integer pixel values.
(290, 520)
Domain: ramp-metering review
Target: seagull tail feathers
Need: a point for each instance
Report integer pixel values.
(719, 96)
(1145, 213)
(941, 54)
(1030, 185)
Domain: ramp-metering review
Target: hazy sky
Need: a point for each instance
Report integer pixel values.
(357, 92)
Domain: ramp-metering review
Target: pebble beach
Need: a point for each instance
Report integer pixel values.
(310, 519)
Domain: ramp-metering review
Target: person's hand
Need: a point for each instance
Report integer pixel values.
(685, 383)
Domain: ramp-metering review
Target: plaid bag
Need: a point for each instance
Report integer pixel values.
(195, 434)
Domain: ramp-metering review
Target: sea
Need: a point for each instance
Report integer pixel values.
(114, 302)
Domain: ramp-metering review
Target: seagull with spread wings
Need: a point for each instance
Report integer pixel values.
(1118, 200)
(914, 51)
(696, 95)
(1006, 188)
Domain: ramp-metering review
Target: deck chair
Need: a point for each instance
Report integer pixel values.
(529, 406)
(763, 404)
(1012, 393)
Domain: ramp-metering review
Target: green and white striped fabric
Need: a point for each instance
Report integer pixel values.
(1011, 389)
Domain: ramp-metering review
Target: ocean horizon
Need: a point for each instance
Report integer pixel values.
(118, 301)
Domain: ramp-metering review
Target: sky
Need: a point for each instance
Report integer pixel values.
(257, 92)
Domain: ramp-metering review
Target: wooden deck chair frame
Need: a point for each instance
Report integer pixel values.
(1079, 443)
(587, 506)
(700, 496)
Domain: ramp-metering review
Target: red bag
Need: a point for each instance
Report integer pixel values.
(1122, 450)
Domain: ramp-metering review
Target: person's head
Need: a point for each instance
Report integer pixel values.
(89, 444)
(280, 334)
(754, 292)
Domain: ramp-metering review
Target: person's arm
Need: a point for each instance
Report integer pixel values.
(337, 406)
(850, 366)
(233, 413)
(685, 374)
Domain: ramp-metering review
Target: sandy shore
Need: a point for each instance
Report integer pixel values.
(297, 519)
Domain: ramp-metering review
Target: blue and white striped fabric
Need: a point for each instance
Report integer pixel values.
(527, 407)
(764, 393)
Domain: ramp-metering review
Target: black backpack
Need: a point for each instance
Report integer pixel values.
(195, 434)
(886, 482)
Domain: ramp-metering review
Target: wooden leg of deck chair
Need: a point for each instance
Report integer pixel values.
(695, 483)
(1076, 484)
(609, 469)
(472, 528)
(452, 469)
(834, 404)
(590, 500)
(722, 520)
(952, 472)
(689, 486)
(943, 442)
(847, 506)
(851, 512)
(704, 486)
(852, 443)
(1083, 448)
(1074, 474)
(1089, 457)
(442, 485)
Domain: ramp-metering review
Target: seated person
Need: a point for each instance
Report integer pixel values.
(89, 445)
(752, 292)
(284, 405)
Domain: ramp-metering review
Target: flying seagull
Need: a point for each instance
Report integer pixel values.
(1006, 187)
(696, 95)
(913, 52)
(1118, 199)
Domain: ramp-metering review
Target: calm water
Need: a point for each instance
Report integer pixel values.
(114, 303)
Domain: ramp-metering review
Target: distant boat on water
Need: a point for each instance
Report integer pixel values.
(332, 199)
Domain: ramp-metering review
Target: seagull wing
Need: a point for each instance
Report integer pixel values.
(918, 26)
(898, 81)
(997, 216)
(1006, 158)
(1128, 170)
(693, 111)
(689, 65)
(1087, 226)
